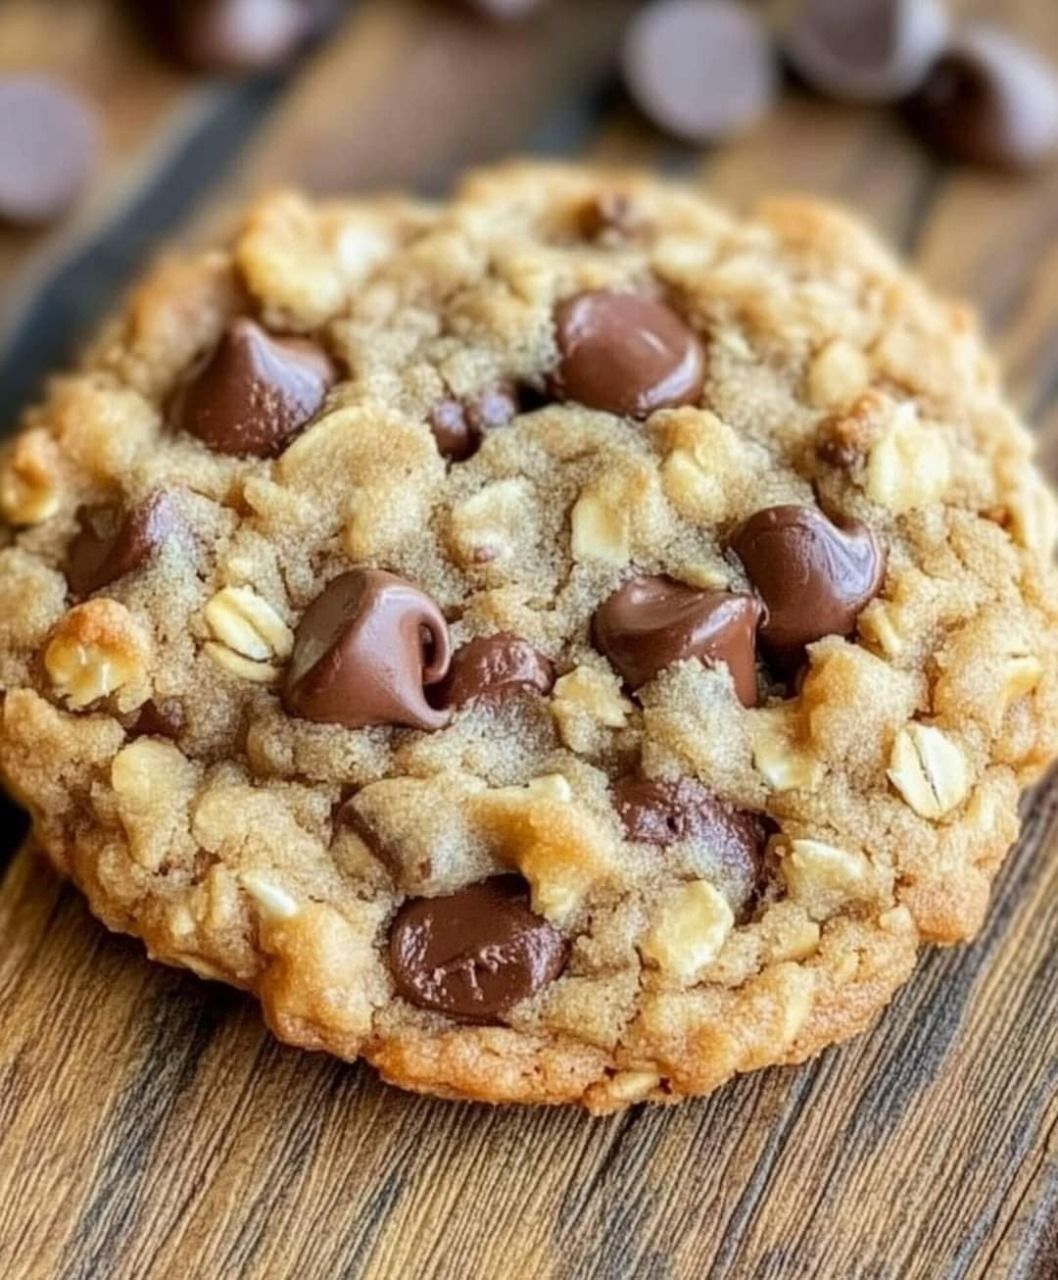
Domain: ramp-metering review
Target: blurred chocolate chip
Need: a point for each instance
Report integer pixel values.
(503, 10)
(49, 143)
(660, 812)
(700, 69)
(363, 651)
(649, 623)
(460, 425)
(813, 576)
(475, 953)
(159, 719)
(253, 392)
(864, 50)
(991, 100)
(112, 541)
(625, 354)
(234, 36)
(494, 668)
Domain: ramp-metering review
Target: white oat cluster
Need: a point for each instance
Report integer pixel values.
(563, 645)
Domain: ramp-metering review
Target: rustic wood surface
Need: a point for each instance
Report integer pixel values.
(149, 1127)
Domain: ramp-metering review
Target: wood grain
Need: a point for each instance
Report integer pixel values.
(149, 1127)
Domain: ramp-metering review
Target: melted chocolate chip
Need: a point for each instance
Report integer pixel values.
(864, 50)
(991, 100)
(625, 354)
(459, 426)
(254, 392)
(49, 140)
(496, 668)
(113, 541)
(475, 953)
(652, 622)
(700, 69)
(363, 651)
(813, 576)
(663, 813)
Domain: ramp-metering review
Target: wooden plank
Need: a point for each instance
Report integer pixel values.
(150, 1128)
(183, 1141)
(410, 93)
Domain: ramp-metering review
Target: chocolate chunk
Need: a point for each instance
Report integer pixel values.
(459, 426)
(700, 69)
(363, 651)
(494, 667)
(662, 813)
(475, 953)
(254, 392)
(813, 576)
(626, 354)
(234, 36)
(49, 143)
(163, 719)
(113, 541)
(864, 50)
(652, 622)
(991, 100)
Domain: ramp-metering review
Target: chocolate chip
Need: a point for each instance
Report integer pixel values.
(235, 36)
(163, 719)
(813, 576)
(652, 622)
(113, 541)
(459, 426)
(864, 50)
(494, 668)
(626, 354)
(49, 143)
(475, 953)
(990, 100)
(451, 429)
(494, 407)
(662, 813)
(254, 391)
(700, 69)
(363, 651)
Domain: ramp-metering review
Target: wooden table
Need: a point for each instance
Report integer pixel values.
(151, 1130)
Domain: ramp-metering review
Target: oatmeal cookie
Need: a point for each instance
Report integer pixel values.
(567, 644)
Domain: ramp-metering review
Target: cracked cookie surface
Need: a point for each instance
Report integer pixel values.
(565, 645)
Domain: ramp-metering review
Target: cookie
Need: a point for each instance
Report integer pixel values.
(568, 644)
